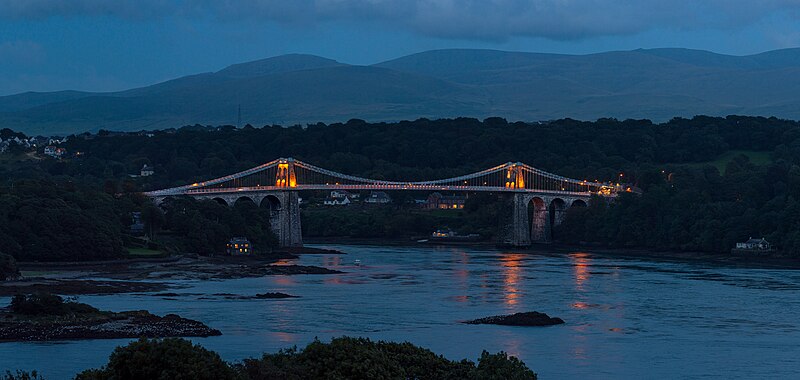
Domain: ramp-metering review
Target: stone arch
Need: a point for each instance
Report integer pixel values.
(538, 219)
(221, 201)
(578, 203)
(272, 202)
(244, 200)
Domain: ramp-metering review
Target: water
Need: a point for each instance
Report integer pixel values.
(625, 318)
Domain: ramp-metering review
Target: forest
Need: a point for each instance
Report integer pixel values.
(706, 182)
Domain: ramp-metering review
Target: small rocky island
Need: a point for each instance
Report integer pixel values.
(43, 316)
(531, 318)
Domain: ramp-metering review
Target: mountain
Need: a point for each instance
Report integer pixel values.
(646, 83)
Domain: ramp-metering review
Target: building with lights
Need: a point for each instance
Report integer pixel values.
(239, 246)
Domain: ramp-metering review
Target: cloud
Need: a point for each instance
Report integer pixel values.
(25, 53)
(459, 19)
(126, 9)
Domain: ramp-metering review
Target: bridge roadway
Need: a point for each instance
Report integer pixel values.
(520, 187)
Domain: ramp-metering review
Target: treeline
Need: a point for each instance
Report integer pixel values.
(423, 149)
(44, 220)
(60, 220)
(402, 218)
(342, 358)
(691, 200)
(699, 209)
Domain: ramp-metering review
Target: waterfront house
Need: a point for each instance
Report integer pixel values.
(755, 244)
(378, 197)
(439, 201)
(239, 246)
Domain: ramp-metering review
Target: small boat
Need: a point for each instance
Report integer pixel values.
(357, 262)
(447, 235)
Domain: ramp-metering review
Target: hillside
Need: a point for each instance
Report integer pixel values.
(657, 84)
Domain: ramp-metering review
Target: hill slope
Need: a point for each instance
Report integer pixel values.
(657, 84)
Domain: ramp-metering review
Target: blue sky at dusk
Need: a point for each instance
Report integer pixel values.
(99, 45)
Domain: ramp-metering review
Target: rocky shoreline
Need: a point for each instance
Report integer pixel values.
(128, 324)
(74, 286)
(45, 317)
(142, 276)
(531, 318)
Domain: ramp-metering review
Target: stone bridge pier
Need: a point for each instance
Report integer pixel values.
(530, 218)
(284, 206)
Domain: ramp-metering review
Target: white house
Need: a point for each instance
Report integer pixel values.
(755, 244)
(343, 194)
(340, 194)
(378, 197)
(336, 201)
(146, 171)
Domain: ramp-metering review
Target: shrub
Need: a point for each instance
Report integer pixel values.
(8, 267)
(47, 304)
(360, 358)
(22, 375)
(170, 358)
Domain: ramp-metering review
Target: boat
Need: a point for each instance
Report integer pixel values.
(448, 235)
(357, 262)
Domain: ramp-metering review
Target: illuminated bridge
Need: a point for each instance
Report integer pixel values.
(276, 184)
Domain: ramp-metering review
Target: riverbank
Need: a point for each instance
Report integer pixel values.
(151, 275)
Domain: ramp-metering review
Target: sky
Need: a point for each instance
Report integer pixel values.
(110, 45)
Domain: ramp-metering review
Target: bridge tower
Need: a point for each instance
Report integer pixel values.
(285, 177)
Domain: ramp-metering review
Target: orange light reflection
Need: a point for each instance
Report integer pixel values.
(512, 269)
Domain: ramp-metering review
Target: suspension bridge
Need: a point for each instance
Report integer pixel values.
(276, 184)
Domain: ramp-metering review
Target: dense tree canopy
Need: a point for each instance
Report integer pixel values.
(8, 267)
(708, 181)
(170, 358)
(47, 220)
(342, 358)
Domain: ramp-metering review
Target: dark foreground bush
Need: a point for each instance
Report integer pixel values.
(360, 358)
(22, 375)
(342, 358)
(170, 358)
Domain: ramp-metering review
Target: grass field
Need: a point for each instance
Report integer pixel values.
(756, 157)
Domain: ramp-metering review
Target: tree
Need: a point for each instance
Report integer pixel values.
(169, 358)
(361, 358)
(8, 267)
(22, 375)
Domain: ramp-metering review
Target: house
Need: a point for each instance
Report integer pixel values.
(137, 227)
(338, 194)
(53, 151)
(239, 246)
(146, 171)
(755, 244)
(336, 201)
(378, 197)
(439, 201)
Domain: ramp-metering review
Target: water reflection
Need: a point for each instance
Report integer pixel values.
(332, 261)
(512, 269)
(461, 273)
(581, 262)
